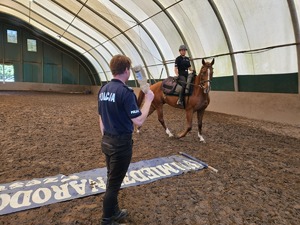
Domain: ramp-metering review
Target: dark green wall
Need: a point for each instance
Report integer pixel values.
(50, 64)
(273, 83)
(222, 84)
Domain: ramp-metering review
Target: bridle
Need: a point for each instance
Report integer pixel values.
(209, 72)
(202, 82)
(202, 74)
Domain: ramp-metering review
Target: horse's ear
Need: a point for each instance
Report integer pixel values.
(212, 62)
(203, 62)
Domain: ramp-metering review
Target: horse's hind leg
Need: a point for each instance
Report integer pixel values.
(200, 114)
(160, 115)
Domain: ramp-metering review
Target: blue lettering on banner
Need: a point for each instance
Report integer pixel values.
(22, 195)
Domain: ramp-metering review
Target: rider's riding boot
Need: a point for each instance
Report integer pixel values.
(180, 99)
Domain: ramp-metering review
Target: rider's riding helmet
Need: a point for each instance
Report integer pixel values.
(182, 47)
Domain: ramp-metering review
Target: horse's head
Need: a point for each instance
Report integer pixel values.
(205, 75)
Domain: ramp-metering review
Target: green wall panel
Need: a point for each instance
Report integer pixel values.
(84, 78)
(222, 83)
(1, 44)
(46, 62)
(18, 71)
(131, 83)
(275, 83)
(70, 74)
(52, 55)
(52, 74)
(32, 72)
(67, 77)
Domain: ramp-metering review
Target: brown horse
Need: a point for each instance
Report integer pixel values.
(196, 102)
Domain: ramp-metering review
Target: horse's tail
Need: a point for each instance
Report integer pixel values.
(140, 99)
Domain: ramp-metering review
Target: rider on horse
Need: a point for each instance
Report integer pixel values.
(182, 67)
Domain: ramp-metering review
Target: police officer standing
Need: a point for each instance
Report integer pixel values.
(182, 67)
(118, 112)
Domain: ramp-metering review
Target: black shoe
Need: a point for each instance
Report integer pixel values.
(109, 221)
(120, 215)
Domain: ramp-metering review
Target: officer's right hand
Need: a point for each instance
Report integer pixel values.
(149, 96)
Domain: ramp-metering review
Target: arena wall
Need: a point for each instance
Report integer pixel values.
(31, 86)
(283, 108)
(274, 107)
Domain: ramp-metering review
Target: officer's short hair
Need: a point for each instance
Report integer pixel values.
(119, 63)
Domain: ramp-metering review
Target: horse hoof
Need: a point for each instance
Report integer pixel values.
(179, 136)
(201, 138)
(169, 132)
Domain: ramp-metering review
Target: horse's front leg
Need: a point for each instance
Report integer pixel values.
(189, 120)
(200, 114)
(160, 115)
(151, 110)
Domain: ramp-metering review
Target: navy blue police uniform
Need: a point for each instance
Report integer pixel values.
(117, 105)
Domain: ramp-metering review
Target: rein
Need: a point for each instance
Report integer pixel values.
(197, 85)
(201, 85)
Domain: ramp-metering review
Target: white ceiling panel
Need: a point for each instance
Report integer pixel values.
(150, 32)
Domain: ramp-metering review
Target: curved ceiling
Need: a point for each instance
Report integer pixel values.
(248, 37)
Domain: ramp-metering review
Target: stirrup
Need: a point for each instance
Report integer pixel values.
(179, 102)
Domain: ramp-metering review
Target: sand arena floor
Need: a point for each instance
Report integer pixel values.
(45, 134)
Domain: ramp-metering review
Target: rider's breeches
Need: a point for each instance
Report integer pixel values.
(183, 84)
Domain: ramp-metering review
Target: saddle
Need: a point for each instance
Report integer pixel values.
(170, 86)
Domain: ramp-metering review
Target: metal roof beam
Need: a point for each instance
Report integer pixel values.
(296, 27)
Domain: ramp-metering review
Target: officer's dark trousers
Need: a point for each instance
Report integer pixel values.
(118, 153)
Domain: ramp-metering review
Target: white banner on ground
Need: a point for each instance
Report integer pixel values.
(23, 195)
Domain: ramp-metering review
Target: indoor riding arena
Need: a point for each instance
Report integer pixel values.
(239, 164)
